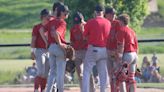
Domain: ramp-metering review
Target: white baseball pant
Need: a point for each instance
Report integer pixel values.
(95, 56)
(131, 59)
(57, 63)
(42, 62)
(79, 58)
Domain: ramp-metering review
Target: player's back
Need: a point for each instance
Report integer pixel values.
(98, 30)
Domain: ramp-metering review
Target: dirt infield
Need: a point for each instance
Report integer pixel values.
(72, 89)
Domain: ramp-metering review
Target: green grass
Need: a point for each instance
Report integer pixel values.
(10, 68)
(21, 13)
(150, 33)
(150, 85)
(15, 36)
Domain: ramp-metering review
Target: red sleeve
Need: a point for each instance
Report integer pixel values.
(61, 28)
(120, 36)
(34, 31)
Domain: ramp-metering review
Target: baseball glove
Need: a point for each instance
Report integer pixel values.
(70, 53)
(70, 66)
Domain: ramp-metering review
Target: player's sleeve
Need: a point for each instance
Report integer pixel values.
(34, 31)
(61, 27)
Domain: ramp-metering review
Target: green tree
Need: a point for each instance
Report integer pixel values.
(137, 9)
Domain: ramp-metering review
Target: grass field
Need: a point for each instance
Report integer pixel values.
(9, 68)
(150, 85)
(21, 13)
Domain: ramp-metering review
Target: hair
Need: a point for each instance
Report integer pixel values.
(44, 13)
(77, 18)
(56, 5)
(110, 10)
(124, 18)
(61, 8)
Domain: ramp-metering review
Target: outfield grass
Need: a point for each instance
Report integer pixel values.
(16, 37)
(21, 13)
(150, 85)
(151, 33)
(10, 68)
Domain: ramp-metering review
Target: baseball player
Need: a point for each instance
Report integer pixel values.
(96, 33)
(80, 45)
(111, 46)
(127, 48)
(52, 18)
(39, 45)
(56, 39)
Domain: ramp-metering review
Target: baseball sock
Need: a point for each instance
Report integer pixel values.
(43, 84)
(37, 82)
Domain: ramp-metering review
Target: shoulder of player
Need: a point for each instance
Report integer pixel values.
(37, 26)
(60, 21)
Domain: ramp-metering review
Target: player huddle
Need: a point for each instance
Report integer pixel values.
(105, 41)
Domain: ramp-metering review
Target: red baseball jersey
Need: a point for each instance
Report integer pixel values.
(76, 37)
(112, 42)
(97, 30)
(127, 36)
(39, 43)
(58, 25)
(51, 18)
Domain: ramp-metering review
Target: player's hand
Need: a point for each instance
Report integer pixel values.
(32, 56)
(63, 46)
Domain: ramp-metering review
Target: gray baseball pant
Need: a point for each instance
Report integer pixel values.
(95, 56)
(57, 63)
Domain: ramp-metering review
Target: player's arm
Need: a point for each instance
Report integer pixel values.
(55, 33)
(41, 31)
(33, 40)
